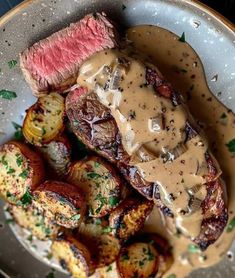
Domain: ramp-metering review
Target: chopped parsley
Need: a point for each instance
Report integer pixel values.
(6, 94)
(19, 160)
(24, 174)
(51, 274)
(76, 217)
(123, 225)
(231, 225)
(171, 276)
(43, 130)
(11, 170)
(30, 238)
(149, 254)
(49, 256)
(98, 221)
(12, 64)
(223, 116)
(27, 198)
(109, 268)
(193, 248)
(93, 175)
(113, 201)
(123, 7)
(125, 257)
(231, 146)
(4, 162)
(182, 38)
(9, 221)
(107, 230)
(102, 200)
(97, 164)
(18, 133)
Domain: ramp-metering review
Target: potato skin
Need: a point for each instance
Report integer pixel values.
(129, 217)
(21, 171)
(72, 255)
(44, 120)
(137, 259)
(57, 155)
(100, 182)
(34, 221)
(61, 202)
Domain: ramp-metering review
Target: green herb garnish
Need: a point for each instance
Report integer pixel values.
(6, 94)
(43, 130)
(98, 221)
(76, 217)
(9, 220)
(49, 256)
(123, 225)
(182, 38)
(27, 198)
(12, 64)
(113, 201)
(223, 116)
(231, 225)
(97, 164)
(231, 146)
(11, 171)
(30, 238)
(150, 255)
(93, 175)
(171, 276)
(24, 174)
(107, 230)
(19, 160)
(18, 133)
(102, 200)
(51, 274)
(125, 257)
(193, 248)
(109, 268)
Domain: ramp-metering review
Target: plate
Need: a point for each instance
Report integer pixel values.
(208, 33)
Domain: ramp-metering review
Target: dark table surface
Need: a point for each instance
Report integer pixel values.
(225, 7)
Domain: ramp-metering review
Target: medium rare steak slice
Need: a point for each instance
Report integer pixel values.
(171, 163)
(53, 63)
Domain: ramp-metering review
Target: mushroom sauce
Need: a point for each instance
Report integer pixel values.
(152, 133)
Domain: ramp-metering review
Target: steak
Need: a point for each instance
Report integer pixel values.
(53, 63)
(94, 124)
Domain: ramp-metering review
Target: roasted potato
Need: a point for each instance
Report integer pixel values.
(100, 182)
(72, 255)
(96, 235)
(129, 217)
(138, 259)
(44, 120)
(57, 155)
(60, 202)
(34, 221)
(164, 251)
(21, 171)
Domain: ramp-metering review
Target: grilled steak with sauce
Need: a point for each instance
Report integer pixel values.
(175, 141)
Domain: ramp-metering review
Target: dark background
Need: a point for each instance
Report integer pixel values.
(225, 7)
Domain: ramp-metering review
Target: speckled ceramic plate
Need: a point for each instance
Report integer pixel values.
(209, 34)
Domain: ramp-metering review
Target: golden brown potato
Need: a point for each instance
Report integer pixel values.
(60, 202)
(100, 183)
(57, 155)
(44, 120)
(96, 235)
(129, 217)
(73, 256)
(138, 259)
(164, 251)
(34, 221)
(21, 171)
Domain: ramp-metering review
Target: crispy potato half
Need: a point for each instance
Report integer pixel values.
(44, 120)
(61, 202)
(57, 155)
(164, 251)
(21, 171)
(96, 235)
(138, 259)
(100, 183)
(129, 217)
(34, 221)
(72, 255)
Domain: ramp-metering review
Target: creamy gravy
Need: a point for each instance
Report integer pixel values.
(148, 142)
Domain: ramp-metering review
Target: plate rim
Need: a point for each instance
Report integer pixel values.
(196, 3)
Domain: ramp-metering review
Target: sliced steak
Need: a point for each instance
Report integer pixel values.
(93, 121)
(53, 63)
